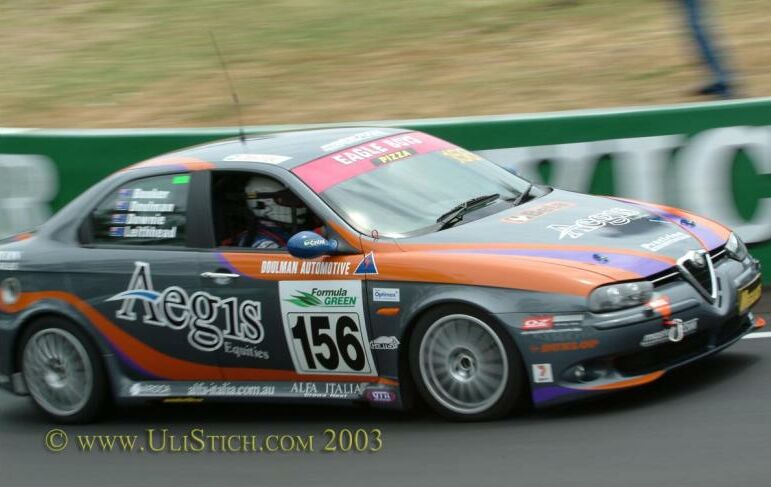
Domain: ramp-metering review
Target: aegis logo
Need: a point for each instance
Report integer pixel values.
(582, 226)
(175, 309)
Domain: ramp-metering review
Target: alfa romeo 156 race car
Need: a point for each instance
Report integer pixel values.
(358, 265)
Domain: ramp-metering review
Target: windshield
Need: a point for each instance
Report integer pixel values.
(401, 185)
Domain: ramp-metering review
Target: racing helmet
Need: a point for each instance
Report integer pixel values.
(270, 200)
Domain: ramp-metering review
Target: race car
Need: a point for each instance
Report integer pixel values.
(379, 266)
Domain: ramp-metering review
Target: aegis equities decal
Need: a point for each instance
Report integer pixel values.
(174, 308)
(582, 226)
(325, 327)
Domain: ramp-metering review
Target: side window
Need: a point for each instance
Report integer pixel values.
(257, 212)
(149, 211)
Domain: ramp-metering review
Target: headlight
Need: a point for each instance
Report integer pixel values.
(619, 296)
(736, 248)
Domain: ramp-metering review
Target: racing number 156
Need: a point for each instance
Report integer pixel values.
(331, 345)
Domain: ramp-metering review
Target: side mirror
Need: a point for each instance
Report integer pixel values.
(309, 245)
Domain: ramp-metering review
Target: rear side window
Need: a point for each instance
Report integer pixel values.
(149, 211)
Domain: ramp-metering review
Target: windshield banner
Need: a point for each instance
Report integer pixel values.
(321, 174)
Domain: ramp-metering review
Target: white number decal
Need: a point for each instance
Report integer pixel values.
(325, 328)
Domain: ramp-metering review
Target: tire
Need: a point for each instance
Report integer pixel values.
(465, 366)
(63, 371)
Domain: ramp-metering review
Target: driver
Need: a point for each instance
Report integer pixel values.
(278, 214)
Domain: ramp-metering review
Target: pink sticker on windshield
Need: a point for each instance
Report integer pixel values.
(321, 174)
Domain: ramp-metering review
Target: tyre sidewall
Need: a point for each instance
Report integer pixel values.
(95, 403)
(514, 393)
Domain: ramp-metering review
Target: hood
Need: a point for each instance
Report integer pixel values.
(599, 232)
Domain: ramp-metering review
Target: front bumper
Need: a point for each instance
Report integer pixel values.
(585, 354)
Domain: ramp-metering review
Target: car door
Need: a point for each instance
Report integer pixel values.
(140, 276)
(287, 319)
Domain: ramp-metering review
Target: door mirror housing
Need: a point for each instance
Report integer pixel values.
(309, 245)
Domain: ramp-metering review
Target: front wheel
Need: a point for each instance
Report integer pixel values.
(464, 365)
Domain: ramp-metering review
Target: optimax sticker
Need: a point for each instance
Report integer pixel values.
(385, 295)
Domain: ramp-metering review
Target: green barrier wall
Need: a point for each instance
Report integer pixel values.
(713, 158)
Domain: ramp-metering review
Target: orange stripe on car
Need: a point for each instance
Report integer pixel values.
(187, 163)
(513, 272)
(623, 384)
(168, 367)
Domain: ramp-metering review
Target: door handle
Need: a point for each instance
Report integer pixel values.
(219, 275)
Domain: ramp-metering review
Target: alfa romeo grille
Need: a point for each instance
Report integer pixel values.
(696, 267)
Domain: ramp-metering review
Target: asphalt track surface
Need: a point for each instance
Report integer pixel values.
(707, 424)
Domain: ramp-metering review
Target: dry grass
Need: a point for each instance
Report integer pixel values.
(150, 63)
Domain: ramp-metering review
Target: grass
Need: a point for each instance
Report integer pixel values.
(150, 63)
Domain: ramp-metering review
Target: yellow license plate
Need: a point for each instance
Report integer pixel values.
(749, 295)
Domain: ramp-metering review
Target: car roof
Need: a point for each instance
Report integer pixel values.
(285, 149)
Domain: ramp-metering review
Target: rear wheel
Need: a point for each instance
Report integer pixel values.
(63, 372)
(464, 366)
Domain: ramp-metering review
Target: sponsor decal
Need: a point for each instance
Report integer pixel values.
(327, 171)
(661, 306)
(537, 323)
(196, 314)
(461, 155)
(352, 139)
(328, 390)
(246, 351)
(140, 207)
(384, 343)
(323, 298)
(143, 194)
(367, 265)
(530, 214)
(9, 260)
(256, 390)
(372, 150)
(265, 158)
(665, 241)
(542, 373)
(571, 331)
(310, 268)
(149, 389)
(613, 216)
(314, 242)
(381, 396)
(134, 219)
(676, 331)
(394, 156)
(227, 389)
(325, 328)
(143, 232)
(385, 295)
(565, 346)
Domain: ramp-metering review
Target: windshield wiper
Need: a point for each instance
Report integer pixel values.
(455, 215)
(519, 199)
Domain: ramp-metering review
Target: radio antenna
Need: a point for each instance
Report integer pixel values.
(233, 94)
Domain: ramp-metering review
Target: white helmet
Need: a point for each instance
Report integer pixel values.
(270, 200)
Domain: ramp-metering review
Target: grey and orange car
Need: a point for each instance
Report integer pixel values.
(428, 274)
